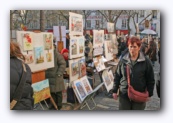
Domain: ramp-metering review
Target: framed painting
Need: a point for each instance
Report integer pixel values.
(110, 27)
(108, 46)
(98, 38)
(75, 24)
(48, 39)
(82, 67)
(27, 41)
(108, 82)
(41, 91)
(73, 69)
(39, 54)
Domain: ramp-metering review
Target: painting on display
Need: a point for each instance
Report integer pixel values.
(86, 85)
(99, 63)
(110, 27)
(75, 24)
(113, 39)
(74, 69)
(98, 51)
(82, 67)
(48, 39)
(39, 54)
(107, 79)
(108, 50)
(27, 41)
(73, 47)
(29, 58)
(41, 91)
(81, 43)
(48, 57)
(98, 38)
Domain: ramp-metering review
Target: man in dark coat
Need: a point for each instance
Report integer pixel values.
(55, 76)
(141, 76)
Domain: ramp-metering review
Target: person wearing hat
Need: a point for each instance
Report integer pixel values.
(65, 52)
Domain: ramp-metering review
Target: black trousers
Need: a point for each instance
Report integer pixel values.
(126, 104)
(57, 96)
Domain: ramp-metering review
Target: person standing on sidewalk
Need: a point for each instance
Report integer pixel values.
(141, 76)
(55, 76)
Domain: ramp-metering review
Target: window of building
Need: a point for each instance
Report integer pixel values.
(154, 13)
(124, 23)
(88, 23)
(141, 13)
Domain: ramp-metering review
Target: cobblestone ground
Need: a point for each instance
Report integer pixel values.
(105, 103)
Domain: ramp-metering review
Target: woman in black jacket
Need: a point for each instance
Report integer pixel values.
(26, 102)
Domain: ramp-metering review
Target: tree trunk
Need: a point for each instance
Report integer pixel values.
(42, 21)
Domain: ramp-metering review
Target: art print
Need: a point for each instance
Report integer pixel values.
(81, 46)
(74, 69)
(27, 41)
(108, 50)
(41, 91)
(39, 55)
(110, 27)
(82, 67)
(98, 38)
(98, 51)
(86, 85)
(48, 39)
(29, 58)
(114, 43)
(76, 24)
(48, 57)
(107, 80)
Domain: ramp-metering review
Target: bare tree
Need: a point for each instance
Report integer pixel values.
(42, 21)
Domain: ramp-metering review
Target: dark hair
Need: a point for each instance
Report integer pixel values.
(133, 40)
(15, 50)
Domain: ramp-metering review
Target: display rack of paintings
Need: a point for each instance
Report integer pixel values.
(110, 27)
(37, 49)
(108, 79)
(98, 38)
(108, 50)
(75, 24)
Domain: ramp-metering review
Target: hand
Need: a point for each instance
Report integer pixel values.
(115, 96)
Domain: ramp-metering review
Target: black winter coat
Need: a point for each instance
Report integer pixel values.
(26, 102)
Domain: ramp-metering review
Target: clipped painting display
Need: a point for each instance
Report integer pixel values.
(41, 91)
(75, 24)
(110, 27)
(98, 38)
(108, 79)
(37, 49)
(108, 50)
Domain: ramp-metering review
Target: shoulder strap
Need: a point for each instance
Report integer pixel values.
(18, 93)
(128, 74)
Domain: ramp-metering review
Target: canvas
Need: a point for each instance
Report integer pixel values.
(98, 38)
(75, 24)
(41, 91)
(108, 50)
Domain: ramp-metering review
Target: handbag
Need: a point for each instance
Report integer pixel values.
(18, 93)
(134, 95)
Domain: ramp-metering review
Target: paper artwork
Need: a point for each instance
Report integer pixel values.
(27, 41)
(98, 51)
(76, 24)
(39, 55)
(110, 27)
(82, 67)
(86, 85)
(29, 58)
(108, 50)
(48, 57)
(74, 69)
(98, 38)
(48, 39)
(99, 63)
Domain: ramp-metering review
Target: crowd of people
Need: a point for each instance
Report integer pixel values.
(139, 54)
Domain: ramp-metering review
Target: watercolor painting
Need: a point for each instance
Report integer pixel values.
(41, 91)
(27, 41)
(108, 50)
(86, 85)
(76, 24)
(99, 63)
(73, 47)
(39, 54)
(48, 39)
(110, 27)
(48, 57)
(81, 45)
(29, 58)
(82, 67)
(74, 69)
(98, 38)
